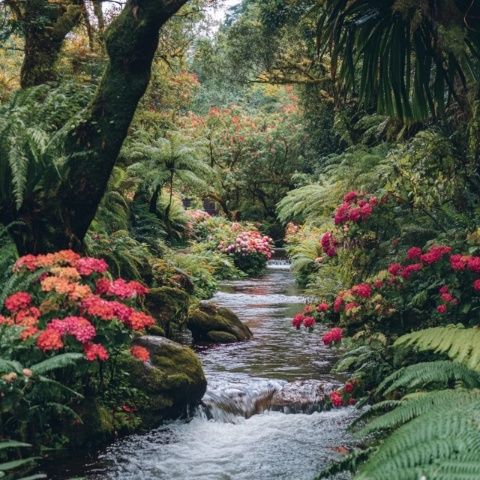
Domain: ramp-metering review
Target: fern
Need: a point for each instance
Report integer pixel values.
(439, 373)
(56, 362)
(459, 343)
(443, 434)
(410, 408)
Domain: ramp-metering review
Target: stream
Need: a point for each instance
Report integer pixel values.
(227, 438)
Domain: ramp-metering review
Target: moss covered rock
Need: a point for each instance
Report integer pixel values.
(168, 305)
(171, 383)
(213, 324)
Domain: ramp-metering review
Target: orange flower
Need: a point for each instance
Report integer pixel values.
(140, 353)
(49, 340)
(68, 273)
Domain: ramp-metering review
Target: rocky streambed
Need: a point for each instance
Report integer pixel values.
(261, 417)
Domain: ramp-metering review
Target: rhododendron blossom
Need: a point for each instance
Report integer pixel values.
(49, 340)
(363, 290)
(248, 243)
(355, 208)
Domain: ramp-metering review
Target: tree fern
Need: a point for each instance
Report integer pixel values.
(459, 343)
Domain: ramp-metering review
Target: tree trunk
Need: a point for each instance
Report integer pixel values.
(45, 25)
(60, 218)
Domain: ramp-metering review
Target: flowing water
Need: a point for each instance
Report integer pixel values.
(229, 437)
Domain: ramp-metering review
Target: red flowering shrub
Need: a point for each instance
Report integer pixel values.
(356, 207)
(74, 306)
(140, 353)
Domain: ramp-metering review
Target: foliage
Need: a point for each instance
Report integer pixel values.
(12, 468)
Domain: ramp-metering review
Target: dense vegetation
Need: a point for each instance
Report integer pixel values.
(347, 130)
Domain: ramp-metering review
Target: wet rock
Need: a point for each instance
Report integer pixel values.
(172, 383)
(213, 324)
(303, 396)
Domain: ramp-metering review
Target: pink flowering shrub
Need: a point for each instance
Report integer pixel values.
(251, 250)
(73, 305)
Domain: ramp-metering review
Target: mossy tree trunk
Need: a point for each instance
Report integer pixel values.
(45, 25)
(60, 218)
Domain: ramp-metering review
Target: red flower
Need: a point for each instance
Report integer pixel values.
(297, 321)
(329, 244)
(476, 285)
(18, 301)
(309, 322)
(395, 269)
(49, 340)
(458, 262)
(338, 304)
(413, 253)
(128, 409)
(322, 307)
(336, 399)
(348, 387)
(332, 336)
(363, 290)
(378, 283)
(444, 289)
(94, 351)
(140, 321)
(434, 254)
(140, 353)
(352, 401)
(351, 306)
(447, 297)
(409, 269)
(350, 197)
(473, 264)
(442, 309)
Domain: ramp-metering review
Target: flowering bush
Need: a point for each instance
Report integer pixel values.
(250, 251)
(73, 305)
(429, 287)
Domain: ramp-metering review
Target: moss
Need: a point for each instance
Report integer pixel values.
(221, 337)
(168, 305)
(156, 330)
(171, 383)
(209, 323)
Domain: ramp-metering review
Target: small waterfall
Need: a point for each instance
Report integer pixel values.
(229, 403)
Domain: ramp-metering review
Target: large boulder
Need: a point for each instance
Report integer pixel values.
(213, 324)
(171, 383)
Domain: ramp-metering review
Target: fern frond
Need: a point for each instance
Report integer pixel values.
(441, 373)
(459, 343)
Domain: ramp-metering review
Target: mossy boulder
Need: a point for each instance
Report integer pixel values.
(213, 324)
(171, 384)
(168, 305)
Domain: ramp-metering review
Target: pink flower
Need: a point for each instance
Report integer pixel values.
(442, 309)
(348, 387)
(88, 265)
(434, 254)
(351, 306)
(476, 285)
(473, 264)
(338, 304)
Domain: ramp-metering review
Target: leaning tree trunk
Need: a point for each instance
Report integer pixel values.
(60, 218)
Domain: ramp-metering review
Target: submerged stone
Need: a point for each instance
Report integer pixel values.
(212, 324)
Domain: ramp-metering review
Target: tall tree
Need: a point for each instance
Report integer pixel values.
(59, 217)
